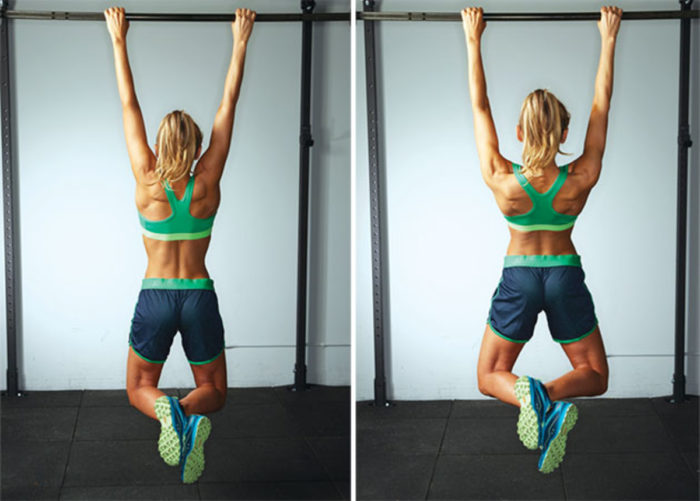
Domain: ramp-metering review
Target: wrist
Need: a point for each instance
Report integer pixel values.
(473, 41)
(239, 44)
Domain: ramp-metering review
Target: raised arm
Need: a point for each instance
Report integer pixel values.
(490, 158)
(140, 155)
(212, 163)
(590, 162)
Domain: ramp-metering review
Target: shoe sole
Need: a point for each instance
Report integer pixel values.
(554, 454)
(528, 425)
(168, 442)
(193, 464)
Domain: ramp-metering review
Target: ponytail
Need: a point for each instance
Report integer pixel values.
(543, 120)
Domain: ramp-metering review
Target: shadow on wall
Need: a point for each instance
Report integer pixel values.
(317, 258)
(329, 211)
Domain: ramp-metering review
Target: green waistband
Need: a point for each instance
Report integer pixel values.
(537, 261)
(178, 283)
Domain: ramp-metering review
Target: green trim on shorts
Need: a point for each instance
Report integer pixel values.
(505, 337)
(144, 358)
(540, 261)
(178, 283)
(208, 361)
(567, 341)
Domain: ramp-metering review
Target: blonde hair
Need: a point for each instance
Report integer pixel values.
(178, 140)
(543, 120)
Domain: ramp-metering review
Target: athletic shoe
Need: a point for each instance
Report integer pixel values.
(560, 420)
(172, 426)
(534, 403)
(192, 459)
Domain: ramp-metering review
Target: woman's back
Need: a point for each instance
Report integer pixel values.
(570, 190)
(180, 258)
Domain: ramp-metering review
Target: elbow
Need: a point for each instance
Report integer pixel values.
(602, 107)
(481, 106)
(481, 103)
(130, 103)
(601, 102)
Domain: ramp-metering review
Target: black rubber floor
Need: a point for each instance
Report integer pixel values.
(267, 443)
(619, 449)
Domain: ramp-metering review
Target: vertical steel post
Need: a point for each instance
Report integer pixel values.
(8, 199)
(684, 144)
(305, 143)
(375, 197)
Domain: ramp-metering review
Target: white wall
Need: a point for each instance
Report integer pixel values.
(82, 258)
(446, 237)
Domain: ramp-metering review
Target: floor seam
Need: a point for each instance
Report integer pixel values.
(563, 482)
(72, 441)
(439, 451)
(323, 465)
(669, 436)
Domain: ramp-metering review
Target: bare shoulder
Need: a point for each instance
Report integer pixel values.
(144, 171)
(206, 189)
(583, 172)
(146, 179)
(503, 180)
(202, 173)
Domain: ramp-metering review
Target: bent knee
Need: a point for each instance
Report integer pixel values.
(602, 383)
(222, 396)
(131, 393)
(219, 394)
(481, 383)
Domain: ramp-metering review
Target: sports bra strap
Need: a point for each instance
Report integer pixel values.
(559, 181)
(551, 192)
(172, 198)
(524, 182)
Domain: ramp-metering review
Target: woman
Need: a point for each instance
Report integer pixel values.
(542, 271)
(176, 209)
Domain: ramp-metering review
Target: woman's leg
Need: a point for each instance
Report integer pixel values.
(141, 383)
(590, 370)
(496, 360)
(210, 394)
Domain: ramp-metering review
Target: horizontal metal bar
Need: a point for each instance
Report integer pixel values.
(133, 16)
(525, 16)
(650, 355)
(321, 345)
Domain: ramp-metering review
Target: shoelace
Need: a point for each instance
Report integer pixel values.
(542, 406)
(550, 424)
(186, 438)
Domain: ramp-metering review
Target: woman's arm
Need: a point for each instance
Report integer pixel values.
(140, 155)
(484, 128)
(212, 163)
(590, 162)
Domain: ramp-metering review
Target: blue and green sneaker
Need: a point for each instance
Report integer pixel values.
(192, 458)
(172, 426)
(560, 420)
(534, 403)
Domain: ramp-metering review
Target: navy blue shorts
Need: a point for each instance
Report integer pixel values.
(559, 290)
(160, 313)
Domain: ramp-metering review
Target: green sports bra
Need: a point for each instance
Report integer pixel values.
(180, 225)
(542, 216)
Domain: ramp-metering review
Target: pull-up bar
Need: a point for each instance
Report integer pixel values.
(525, 16)
(133, 16)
